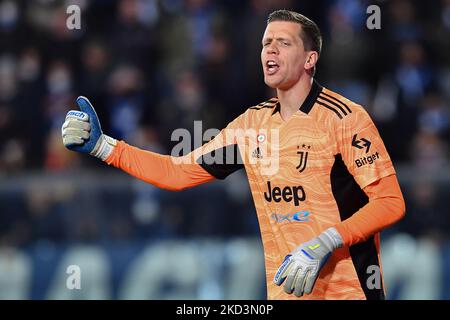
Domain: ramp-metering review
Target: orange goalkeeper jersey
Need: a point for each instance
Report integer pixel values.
(306, 174)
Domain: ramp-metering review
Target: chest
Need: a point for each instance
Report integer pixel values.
(291, 150)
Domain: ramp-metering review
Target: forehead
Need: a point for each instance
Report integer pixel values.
(277, 29)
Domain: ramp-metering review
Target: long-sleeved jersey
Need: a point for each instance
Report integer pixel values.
(325, 166)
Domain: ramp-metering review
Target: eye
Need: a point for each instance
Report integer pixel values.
(283, 42)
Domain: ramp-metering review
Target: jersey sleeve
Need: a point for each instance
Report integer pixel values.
(361, 147)
(162, 171)
(220, 157)
(386, 206)
(216, 159)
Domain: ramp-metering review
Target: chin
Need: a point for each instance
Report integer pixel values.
(272, 84)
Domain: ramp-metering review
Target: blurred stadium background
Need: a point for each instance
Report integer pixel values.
(151, 66)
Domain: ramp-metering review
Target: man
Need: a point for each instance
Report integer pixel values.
(330, 186)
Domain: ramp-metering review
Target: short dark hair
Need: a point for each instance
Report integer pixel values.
(311, 36)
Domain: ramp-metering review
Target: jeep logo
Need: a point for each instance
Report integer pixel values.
(287, 194)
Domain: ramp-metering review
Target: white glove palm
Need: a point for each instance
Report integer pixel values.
(301, 268)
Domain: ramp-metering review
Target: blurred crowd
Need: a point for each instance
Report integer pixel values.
(152, 66)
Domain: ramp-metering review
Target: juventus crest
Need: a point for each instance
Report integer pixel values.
(303, 153)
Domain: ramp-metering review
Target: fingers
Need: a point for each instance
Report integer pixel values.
(295, 281)
(290, 280)
(76, 129)
(69, 141)
(76, 124)
(299, 285)
(298, 279)
(310, 281)
(283, 270)
(300, 282)
(294, 275)
(75, 132)
(78, 115)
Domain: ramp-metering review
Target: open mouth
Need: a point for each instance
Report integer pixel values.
(272, 67)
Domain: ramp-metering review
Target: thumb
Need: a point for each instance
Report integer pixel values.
(87, 107)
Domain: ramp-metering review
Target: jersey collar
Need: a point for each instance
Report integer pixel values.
(307, 105)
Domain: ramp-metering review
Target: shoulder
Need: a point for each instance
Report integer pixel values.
(337, 106)
(265, 105)
(257, 114)
(337, 110)
(254, 115)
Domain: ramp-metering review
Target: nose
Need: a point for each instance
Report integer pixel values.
(272, 49)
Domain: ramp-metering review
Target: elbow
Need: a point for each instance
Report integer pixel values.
(402, 208)
(395, 207)
(399, 208)
(173, 186)
(400, 203)
(178, 188)
(172, 183)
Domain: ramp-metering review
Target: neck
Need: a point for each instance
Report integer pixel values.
(291, 99)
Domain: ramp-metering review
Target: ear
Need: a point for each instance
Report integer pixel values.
(311, 60)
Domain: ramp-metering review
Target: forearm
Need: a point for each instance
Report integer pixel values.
(156, 169)
(386, 206)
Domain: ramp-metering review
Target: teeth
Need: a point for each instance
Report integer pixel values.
(272, 66)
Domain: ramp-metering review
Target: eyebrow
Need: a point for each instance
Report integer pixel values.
(277, 39)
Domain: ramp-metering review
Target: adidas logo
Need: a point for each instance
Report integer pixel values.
(257, 153)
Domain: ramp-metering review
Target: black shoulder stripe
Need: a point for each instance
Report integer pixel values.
(272, 100)
(222, 162)
(332, 109)
(337, 100)
(269, 104)
(265, 107)
(331, 102)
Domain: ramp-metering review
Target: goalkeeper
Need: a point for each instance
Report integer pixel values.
(322, 181)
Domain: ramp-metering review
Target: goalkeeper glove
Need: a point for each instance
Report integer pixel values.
(81, 132)
(301, 268)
